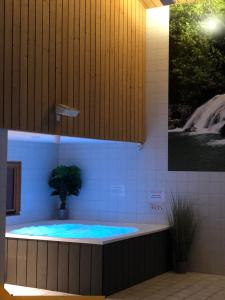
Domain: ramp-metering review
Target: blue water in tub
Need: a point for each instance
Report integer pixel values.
(75, 231)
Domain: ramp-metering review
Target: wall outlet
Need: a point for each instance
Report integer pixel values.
(117, 190)
(157, 207)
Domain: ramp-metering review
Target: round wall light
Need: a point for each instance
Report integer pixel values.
(211, 25)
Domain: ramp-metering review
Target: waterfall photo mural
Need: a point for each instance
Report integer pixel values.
(197, 87)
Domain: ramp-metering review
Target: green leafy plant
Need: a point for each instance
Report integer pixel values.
(184, 223)
(65, 181)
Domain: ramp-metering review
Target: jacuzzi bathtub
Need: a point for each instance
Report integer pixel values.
(87, 266)
(141, 229)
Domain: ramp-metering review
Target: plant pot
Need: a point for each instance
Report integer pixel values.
(181, 267)
(62, 214)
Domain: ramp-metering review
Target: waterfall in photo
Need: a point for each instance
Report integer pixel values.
(196, 108)
(208, 118)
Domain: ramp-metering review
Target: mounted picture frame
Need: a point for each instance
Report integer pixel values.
(196, 135)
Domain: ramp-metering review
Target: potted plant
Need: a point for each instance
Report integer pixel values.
(183, 223)
(65, 181)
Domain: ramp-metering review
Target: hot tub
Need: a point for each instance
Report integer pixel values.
(88, 258)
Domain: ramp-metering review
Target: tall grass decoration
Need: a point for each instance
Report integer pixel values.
(184, 223)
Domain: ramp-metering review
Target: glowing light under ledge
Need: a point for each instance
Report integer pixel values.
(55, 139)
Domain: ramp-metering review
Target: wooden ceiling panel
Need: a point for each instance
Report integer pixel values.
(151, 3)
(157, 3)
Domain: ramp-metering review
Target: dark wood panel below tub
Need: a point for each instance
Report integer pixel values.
(131, 261)
(87, 269)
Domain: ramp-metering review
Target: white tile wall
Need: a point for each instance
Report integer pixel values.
(206, 189)
(38, 159)
(139, 170)
(143, 171)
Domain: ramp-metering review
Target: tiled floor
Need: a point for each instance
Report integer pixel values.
(169, 286)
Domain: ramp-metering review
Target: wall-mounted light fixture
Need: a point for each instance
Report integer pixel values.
(65, 110)
(212, 24)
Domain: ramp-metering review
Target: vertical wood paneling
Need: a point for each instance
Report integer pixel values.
(39, 30)
(8, 68)
(22, 262)
(52, 266)
(32, 263)
(2, 57)
(96, 270)
(93, 69)
(112, 70)
(74, 268)
(88, 269)
(45, 67)
(82, 67)
(137, 108)
(96, 124)
(16, 64)
(143, 63)
(64, 100)
(128, 81)
(63, 267)
(133, 47)
(88, 54)
(116, 101)
(106, 98)
(23, 65)
(52, 66)
(31, 65)
(136, 77)
(102, 68)
(120, 70)
(42, 253)
(12, 262)
(85, 269)
(140, 75)
(125, 75)
(76, 65)
(58, 69)
(70, 62)
(87, 69)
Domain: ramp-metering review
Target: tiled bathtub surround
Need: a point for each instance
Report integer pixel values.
(105, 167)
(38, 159)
